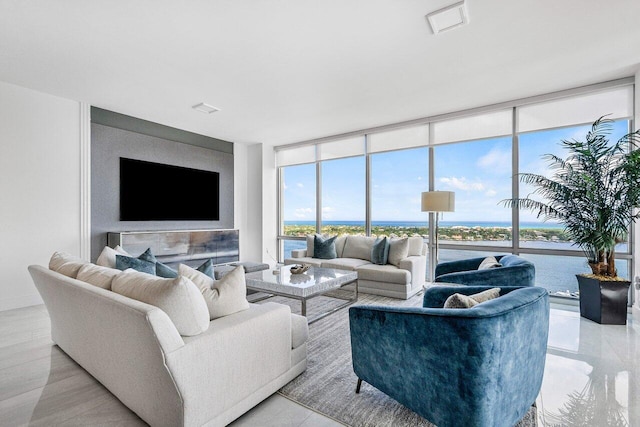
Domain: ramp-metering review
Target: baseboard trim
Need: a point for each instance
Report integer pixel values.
(20, 302)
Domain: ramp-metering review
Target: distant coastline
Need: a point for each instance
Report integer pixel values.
(463, 231)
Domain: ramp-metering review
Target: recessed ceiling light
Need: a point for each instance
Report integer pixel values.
(448, 18)
(205, 108)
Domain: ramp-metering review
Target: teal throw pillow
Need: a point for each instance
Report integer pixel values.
(207, 268)
(380, 251)
(123, 262)
(162, 270)
(324, 248)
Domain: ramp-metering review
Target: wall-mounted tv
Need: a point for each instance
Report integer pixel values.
(158, 192)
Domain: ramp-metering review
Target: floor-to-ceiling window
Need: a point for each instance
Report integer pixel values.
(397, 180)
(372, 184)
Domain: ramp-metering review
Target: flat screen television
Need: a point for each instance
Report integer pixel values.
(158, 192)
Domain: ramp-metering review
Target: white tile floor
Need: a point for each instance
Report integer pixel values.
(591, 379)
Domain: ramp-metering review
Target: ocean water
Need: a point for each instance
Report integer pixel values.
(556, 273)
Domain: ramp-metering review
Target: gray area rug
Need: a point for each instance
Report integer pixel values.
(328, 385)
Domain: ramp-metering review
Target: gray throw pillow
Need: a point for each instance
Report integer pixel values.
(380, 251)
(398, 250)
(468, 301)
(489, 262)
(324, 248)
(124, 262)
(207, 268)
(162, 270)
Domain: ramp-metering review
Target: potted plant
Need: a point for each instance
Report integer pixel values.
(594, 192)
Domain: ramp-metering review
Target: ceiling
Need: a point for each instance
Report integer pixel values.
(284, 71)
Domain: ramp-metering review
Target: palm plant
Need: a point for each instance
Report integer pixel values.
(593, 192)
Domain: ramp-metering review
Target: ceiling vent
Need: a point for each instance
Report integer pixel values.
(448, 18)
(205, 108)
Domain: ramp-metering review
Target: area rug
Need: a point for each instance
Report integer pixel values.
(328, 385)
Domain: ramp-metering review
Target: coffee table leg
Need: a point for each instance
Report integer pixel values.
(304, 307)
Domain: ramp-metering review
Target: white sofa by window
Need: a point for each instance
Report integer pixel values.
(354, 253)
(135, 351)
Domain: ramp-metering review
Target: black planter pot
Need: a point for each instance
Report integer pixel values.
(603, 301)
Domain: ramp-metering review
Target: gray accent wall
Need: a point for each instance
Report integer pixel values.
(109, 143)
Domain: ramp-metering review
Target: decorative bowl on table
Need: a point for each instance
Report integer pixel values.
(299, 268)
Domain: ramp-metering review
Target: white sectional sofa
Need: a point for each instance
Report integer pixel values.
(400, 278)
(135, 350)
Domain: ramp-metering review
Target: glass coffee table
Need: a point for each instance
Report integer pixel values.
(314, 282)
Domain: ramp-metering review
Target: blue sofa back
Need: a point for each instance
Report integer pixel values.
(515, 271)
(474, 367)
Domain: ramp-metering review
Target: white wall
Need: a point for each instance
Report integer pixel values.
(248, 199)
(39, 186)
(269, 204)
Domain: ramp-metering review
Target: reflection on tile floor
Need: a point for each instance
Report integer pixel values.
(591, 376)
(591, 379)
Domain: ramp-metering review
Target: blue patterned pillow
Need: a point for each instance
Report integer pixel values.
(123, 262)
(380, 251)
(161, 270)
(207, 268)
(324, 248)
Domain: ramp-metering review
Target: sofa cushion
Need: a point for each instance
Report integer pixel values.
(324, 248)
(222, 297)
(398, 250)
(178, 297)
(416, 245)
(107, 257)
(299, 330)
(380, 251)
(344, 263)
(97, 275)
(124, 262)
(340, 242)
(489, 262)
(384, 273)
(358, 247)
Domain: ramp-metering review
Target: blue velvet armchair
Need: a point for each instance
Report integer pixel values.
(515, 271)
(481, 366)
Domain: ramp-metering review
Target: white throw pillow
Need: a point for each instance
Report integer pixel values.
(223, 297)
(489, 262)
(358, 247)
(107, 257)
(60, 258)
(97, 275)
(178, 297)
(398, 250)
(310, 242)
(66, 264)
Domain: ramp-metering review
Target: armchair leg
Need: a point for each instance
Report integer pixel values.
(358, 386)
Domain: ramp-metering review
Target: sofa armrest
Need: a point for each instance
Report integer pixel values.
(417, 266)
(236, 356)
(455, 266)
(298, 253)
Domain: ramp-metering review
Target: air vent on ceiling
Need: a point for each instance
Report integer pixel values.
(205, 108)
(448, 18)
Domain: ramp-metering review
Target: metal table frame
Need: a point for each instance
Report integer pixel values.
(303, 300)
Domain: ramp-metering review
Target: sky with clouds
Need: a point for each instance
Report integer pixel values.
(479, 172)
